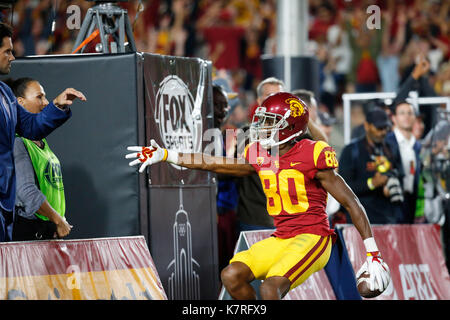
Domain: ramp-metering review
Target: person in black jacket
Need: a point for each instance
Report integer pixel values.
(366, 166)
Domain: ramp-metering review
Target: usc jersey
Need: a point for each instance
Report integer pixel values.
(295, 200)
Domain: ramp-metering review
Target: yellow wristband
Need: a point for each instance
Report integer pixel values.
(165, 155)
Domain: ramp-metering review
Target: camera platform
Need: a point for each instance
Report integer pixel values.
(112, 23)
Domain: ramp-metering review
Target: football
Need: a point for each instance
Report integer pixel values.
(362, 283)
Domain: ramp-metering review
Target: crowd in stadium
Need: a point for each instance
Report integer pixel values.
(234, 34)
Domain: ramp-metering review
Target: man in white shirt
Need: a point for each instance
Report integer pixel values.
(406, 153)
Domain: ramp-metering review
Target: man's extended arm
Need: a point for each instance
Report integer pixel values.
(220, 165)
(199, 161)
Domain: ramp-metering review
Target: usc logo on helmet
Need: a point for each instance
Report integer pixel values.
(295, 106)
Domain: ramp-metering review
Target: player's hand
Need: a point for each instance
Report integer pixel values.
(378, 271)
(66, 97)
(150, 155)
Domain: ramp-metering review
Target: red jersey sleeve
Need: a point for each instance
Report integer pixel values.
(324, 157)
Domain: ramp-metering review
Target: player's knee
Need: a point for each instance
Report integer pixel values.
(229, 276)
(232, 276)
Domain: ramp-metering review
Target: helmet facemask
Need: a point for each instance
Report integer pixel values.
(265, 127)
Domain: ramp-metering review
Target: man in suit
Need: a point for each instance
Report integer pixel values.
(406, 153)
(15, 119)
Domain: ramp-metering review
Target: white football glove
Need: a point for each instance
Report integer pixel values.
(150, 155)
(378, 271)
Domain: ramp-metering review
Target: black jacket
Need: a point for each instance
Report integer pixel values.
(356, 166)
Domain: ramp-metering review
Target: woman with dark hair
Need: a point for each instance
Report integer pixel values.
(40, 202)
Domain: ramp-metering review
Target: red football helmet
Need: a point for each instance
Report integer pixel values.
(281, 113)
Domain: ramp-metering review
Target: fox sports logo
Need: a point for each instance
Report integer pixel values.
(173, 114)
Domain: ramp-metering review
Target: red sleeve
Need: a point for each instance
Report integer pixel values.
(324, 157)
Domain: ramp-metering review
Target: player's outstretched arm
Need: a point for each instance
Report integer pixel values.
(154, 153)
(375, 266)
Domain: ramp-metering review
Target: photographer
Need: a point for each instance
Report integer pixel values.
(366, 165)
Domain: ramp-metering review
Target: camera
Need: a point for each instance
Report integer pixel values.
(394, 187)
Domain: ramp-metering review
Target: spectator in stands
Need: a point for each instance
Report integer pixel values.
(366, 164)
(406, 154)
(40, 199)
(251, 58)
(328, 87)
(442, 84)
(267, 87)
(221, 35)
(388, 60)
(341, 53)
(366, 46)
(418, 127)
(170, 34)
(33, 26)
(360, 130)
(161, 41)
(418, 81)
(324, 19)
(326, 123)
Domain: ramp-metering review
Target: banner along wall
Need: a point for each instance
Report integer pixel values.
(107, 269)
(414, 256)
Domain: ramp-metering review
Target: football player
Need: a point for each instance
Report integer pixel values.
(296, 173)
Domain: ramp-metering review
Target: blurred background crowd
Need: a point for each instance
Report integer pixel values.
(413, 40)
(234, 34)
